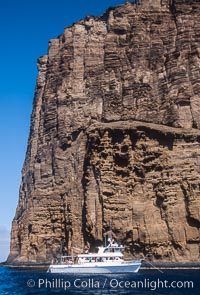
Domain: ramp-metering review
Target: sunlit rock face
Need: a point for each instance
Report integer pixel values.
(115, 136)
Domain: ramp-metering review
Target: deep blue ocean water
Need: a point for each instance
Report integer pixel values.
(14, 281)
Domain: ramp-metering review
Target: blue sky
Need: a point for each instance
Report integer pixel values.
(26, 28)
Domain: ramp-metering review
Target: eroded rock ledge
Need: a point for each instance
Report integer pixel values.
(115, 135)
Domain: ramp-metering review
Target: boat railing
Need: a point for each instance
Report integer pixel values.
(65, 260)
(72, 259)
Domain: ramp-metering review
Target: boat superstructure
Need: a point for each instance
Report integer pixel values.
(109, 259)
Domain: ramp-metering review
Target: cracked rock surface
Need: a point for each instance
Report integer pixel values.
(115, 136)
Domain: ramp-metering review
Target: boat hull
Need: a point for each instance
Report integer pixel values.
(123, 267)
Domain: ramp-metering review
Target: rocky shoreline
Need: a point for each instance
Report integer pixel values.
(145, 266)
(186, 265)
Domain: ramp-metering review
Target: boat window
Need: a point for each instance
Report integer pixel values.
(112, 249)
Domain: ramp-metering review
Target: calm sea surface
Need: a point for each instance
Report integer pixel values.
(15, 281)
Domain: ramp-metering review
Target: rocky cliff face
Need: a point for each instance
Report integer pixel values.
(115, 136)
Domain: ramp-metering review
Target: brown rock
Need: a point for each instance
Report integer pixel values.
(115, 135)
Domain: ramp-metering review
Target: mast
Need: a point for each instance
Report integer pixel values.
(110, 231)
(109, 234)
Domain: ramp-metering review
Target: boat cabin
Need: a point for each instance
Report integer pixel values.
(110, 249)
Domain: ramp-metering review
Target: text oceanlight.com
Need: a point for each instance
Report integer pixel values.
(113, 283)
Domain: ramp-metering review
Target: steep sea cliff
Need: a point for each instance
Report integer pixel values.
(115, 136)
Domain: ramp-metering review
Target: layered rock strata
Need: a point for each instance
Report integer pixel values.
(115, 136)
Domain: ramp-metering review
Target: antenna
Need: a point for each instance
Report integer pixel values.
(61, 248)
(111, 228)
(110, 234)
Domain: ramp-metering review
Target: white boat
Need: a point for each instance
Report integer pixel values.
(107, 260)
